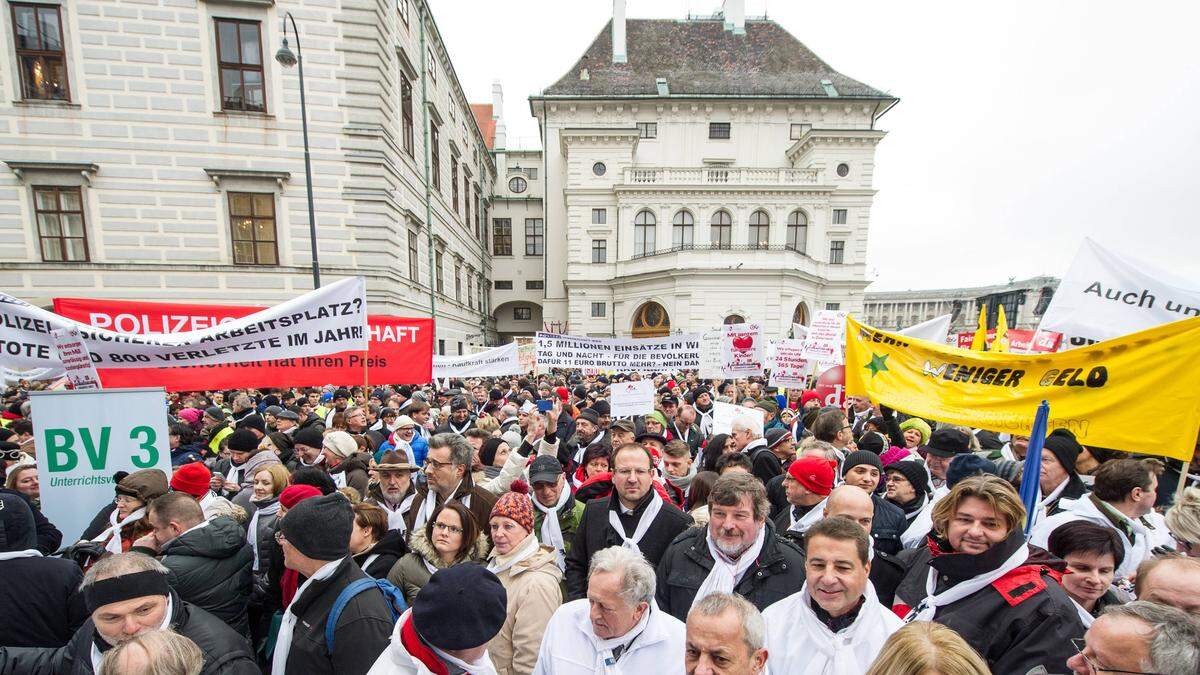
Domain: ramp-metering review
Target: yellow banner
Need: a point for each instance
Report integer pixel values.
(1137, 393)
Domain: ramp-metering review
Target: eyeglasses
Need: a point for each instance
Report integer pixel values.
(1080, 645)
(434, 464)
(125, 499)
(447, 528)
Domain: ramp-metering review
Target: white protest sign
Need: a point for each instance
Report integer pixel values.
(791, 368)
(799, 331)
(492, 362)
(83, 437)
(934, 330)
(328, 320)
(710, 355)
(12, 377)
(632, 398)
(1104, 295)
(725, 413)
(741, 350)
(826, 336)
(75, 359)
(617, 355)
(526, 354)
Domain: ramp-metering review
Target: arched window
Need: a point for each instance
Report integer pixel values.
(651, 320)
(734, 318)
(797, 231)
(681, 230)
(800, 315)
(760, 230)
(643, 234)
(722, 230)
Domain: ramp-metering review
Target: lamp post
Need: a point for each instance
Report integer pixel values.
(287, 59)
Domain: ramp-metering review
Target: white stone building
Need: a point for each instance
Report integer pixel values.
(1024, 303)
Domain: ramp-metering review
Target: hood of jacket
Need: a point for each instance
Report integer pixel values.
(391, 544)
(418, 543)
(359, 461)
(221, 538)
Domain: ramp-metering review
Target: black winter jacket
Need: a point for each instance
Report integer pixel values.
(382, 555)
(210, 568)
(595, 534)
(1075, 489)
(42, 603)
(225, 652)
(887, 526)
(766, 464)
(361, 634)
(778, 572)
(1023, 620)
(48, 536)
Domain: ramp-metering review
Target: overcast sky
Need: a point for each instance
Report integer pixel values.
(1022, 126)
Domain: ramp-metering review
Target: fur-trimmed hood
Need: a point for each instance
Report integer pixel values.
(418, 543)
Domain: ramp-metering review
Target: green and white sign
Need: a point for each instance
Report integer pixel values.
(84, 437)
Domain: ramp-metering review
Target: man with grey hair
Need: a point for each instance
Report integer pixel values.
(448, 478)
(737, 552)
(510, 424)
(616, 628)
(1140, 637)
(746, 436)
(726, 635)
(127, 595)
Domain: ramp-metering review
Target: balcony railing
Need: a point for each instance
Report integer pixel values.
(717, 247)
(719, 175)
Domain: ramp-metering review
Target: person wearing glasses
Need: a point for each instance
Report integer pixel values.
(124, 521)
(450, 538)
(448, 478)
(1140, 638)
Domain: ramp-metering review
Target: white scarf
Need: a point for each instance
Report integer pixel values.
(1084, 615)
(430, 503)
(27, 553)
(339, 479)
(927, 608)
(551, 532)
(466, 425)
(252, 531)
(396, 514)
(502, 563)
(95, 655)
(231, 477)
(206, 501)
(605, 662)
(726, 573)
(643, 524)
(1049, 499)
(482, 665)
(584, 446)
(814, 515)
(113, 545)
(849, 651)
(283, 642)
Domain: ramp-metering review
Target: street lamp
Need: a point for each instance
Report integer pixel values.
(287, 59)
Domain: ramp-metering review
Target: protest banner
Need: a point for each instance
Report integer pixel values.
(603, 355)
(632, 398)
(83, 438)
(790, 370)
(526, 354)
(1103, 393)
(934, 330)
(399, 349)
(1019, 341)
(741, 350)
(75, 359)
(1104, 295)
(725, 413)
(710, 355)
(493, 362)
(826, 336)
(11, 376)
(799, 331)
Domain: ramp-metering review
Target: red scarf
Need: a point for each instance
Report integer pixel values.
(419, 650)
(288, 584)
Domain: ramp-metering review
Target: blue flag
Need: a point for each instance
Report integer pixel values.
(1031, 489)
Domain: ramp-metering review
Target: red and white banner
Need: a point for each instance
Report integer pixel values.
(400, 349)
(1019, 341)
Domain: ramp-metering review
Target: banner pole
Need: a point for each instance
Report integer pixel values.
(1183, 476)
(366, 375)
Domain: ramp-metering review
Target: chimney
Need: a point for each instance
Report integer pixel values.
(734, 12)
(618, 32)
(498, 114)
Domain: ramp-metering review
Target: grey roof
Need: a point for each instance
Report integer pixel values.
(699, 56)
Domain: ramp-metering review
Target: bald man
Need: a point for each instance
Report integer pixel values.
(854, 502)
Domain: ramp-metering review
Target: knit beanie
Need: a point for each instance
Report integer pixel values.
(294, 494)
(310, 436)
(918, 424)
(253, 421)
(192, 478)
(243, 440)
(914, 472)
(1062, 443)
(589, 415)
(861, 457)
(814, 473)
(602, 408)
(965, 466)
(894, 454)
(215, 413)
(515, 506)
(460, 607)
(17, 529)
(809, 395)
(340, 443)
(320, 527)
(487, 451)
(872, 442)
(9, 451)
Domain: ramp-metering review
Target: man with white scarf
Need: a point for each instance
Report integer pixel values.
(834, 625)
(807, 484)
(737, 552)
(617, 628)
(556, 511)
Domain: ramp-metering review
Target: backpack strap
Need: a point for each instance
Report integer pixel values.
(391, 595)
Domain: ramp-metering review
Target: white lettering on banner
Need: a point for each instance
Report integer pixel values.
(710, 355)
(1104, 296)
(156, 323)
(826, 336)
(741, 350)
(725, 413)
(75, 359)
(328, 320)
(503, 360)
(790, 370)
(602, 355)
(632, 398)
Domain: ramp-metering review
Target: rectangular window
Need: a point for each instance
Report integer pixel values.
(643, 240)
(454, 185)
(797, 130)
(833, 306)
(402, 6)
(531, 172)
(534, 285)
(252, 217)
(839, 216)
(599, 250)
(41, 56)
(505, 285)
(412, 256)
(837, 252)
(441, 286)
(460, 349)
(458, 282)
(647, 129)
(240, 66)
(599, 216)
(470, 289)
(598, 309)
(502, 236)
(718, 129)
(432, 66)
(406, 110)
(535, 236)
(441, 347)
(522, 314)
(61, 227)
(478, 220)
(435, 157)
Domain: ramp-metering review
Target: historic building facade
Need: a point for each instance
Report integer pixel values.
(1024, 303)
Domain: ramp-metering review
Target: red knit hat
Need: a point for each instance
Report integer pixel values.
(814, 473)
(516, 506)
(192, 478)
(809, 395)
(294, 494)
(563, 394)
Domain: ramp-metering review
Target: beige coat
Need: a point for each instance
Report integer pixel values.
(534, 592)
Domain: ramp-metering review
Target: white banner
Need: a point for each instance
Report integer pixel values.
(328, 320)
(826, 336)
(13, 377)
(741, 350)
(75, 359)
(83, 437)
(790, 370)
(632, 398)
(934, 330)
(725, 413)
(493, 362)
(799, 331)
(710, 355)
(617, 355)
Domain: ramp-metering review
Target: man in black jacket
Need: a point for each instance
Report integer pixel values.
(47, 535)
(647, 521)
(209, 560)
(771, 459)
(737, 552)
(127, 595)
(316, 544)
(863, 469)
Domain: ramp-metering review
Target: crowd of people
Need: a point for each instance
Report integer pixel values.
(512, 525)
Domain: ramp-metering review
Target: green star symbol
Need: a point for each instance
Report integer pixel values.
(877, 365)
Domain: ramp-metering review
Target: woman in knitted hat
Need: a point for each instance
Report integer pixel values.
(493, 454)
(124, 521)
(916, 432)
(449, 538)
(530, 575)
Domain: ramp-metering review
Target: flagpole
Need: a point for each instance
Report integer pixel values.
(1183, 476)
(1030, 486)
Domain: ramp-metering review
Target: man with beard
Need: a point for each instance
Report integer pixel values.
(704, 408)
(738, 552)
(394, 490)
(460, 418)
(587, 432)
